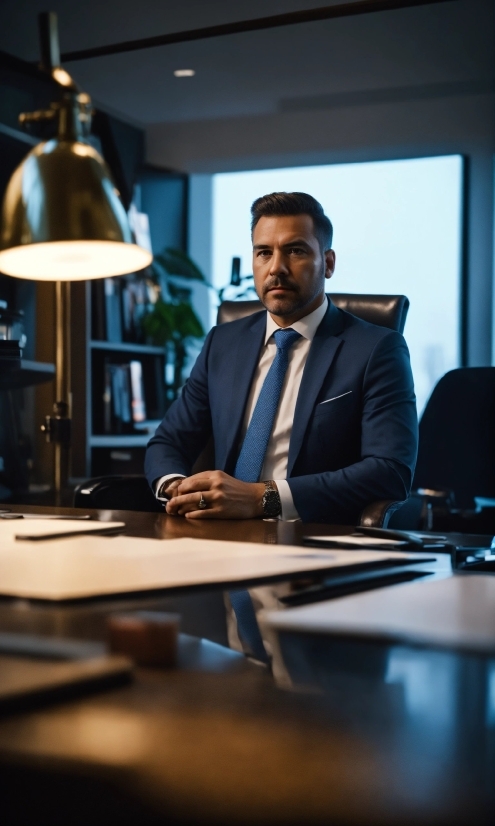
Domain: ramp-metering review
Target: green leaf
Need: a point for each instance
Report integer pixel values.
(176, 262)
(171, 322)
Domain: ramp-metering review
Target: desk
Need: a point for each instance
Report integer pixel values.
(216, 742)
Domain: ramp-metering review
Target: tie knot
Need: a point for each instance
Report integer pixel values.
(284, 339)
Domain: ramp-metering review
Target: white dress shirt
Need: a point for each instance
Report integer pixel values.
(275, 464)
(277, 452)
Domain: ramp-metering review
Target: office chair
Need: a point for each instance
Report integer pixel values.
(133, 492)
(456, 458)
(384, 310)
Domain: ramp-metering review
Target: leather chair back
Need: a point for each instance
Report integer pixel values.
(457, 436)
(126, 493)
(384, 310)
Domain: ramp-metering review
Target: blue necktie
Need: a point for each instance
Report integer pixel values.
(250, 462)
(249, 466)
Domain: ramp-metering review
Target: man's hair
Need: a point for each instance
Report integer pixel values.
(294, 203)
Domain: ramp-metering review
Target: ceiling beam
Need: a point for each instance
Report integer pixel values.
(290, 19)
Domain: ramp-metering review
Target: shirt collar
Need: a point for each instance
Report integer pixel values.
(306, 326)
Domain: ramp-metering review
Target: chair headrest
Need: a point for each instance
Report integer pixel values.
(386, 310)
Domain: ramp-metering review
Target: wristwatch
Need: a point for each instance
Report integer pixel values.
(272, 505)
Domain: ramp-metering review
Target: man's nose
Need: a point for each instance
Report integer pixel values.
(278, 263)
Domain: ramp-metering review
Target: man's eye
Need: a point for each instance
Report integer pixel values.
(263, 253)
(297, 250)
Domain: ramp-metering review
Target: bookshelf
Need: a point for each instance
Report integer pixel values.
(163, 195)
(19, 424)
(128, 440)
(126, 347)
(100, 447)
(103, 442)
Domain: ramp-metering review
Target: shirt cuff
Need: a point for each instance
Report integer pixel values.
(288, 513)
(159, 482)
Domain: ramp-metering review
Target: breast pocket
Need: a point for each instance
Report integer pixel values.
(335, 405)
(334, 435)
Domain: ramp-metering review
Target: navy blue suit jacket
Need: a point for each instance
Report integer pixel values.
(344, 453)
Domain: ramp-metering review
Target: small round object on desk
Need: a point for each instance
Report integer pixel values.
(147, 637)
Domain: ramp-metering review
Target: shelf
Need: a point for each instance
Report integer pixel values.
(31, 372)
(125, 440)
(127, 347)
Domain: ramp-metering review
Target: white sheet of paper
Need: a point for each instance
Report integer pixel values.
(89, 566)
(9, 528)
(453, 612)
(359, 541)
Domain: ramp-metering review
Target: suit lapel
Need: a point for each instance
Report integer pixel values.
(321, 354)
(243, 363)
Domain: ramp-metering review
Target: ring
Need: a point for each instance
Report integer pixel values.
(202, 503)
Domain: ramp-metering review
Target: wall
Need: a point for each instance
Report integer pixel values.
(451, 118)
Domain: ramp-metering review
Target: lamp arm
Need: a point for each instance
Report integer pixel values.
(74, 111)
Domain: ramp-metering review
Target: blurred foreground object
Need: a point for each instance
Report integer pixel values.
(147, 637)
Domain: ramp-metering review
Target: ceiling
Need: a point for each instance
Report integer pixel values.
(431, 50)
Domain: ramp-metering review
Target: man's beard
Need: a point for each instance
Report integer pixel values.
(285, 304)
(291, 302)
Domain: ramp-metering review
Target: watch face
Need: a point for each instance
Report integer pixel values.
(271, 503)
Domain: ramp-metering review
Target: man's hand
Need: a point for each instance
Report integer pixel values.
(172, 486)
(226, 497)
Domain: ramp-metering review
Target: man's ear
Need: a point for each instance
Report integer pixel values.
(329, 263)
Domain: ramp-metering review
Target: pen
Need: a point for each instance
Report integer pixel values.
(10, 515)
(412, 537)
(66, 534)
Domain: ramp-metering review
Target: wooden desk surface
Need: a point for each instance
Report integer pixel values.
(215, 741)
(242, 530)
(161, 526)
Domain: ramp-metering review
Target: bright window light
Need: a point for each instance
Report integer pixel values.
(397, 229)
(184, 73)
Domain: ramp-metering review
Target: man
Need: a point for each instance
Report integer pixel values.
(312, 410)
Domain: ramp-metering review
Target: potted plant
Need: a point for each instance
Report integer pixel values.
(171, 321)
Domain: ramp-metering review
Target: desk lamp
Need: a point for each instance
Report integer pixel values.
(63, 221)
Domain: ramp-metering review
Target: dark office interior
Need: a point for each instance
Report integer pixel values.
(281, 609)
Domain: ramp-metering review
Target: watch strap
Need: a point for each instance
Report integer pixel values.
(272, 505)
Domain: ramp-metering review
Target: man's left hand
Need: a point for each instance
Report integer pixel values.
(225, 497)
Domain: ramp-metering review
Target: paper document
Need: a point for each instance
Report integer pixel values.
(452, 612)
(356, 541)
(90, 566)
(10, 528)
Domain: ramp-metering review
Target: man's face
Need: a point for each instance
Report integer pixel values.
(288, 266)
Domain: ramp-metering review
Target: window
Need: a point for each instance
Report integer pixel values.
(397, 229)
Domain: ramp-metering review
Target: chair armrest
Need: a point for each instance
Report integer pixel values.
(127, 493)
(378, 513)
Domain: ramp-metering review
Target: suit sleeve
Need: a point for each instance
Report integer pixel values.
(186, 428)
(389, 438)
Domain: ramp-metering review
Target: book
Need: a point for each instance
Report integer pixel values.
(134, 305)
(113, 316)
(138, 405)
(107, 398)
(117, 399)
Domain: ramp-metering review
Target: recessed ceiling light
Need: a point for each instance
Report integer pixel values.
(184, 73)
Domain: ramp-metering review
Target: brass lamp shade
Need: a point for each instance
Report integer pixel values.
(63, 220)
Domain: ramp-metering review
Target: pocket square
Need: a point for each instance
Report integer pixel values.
(336, 397)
